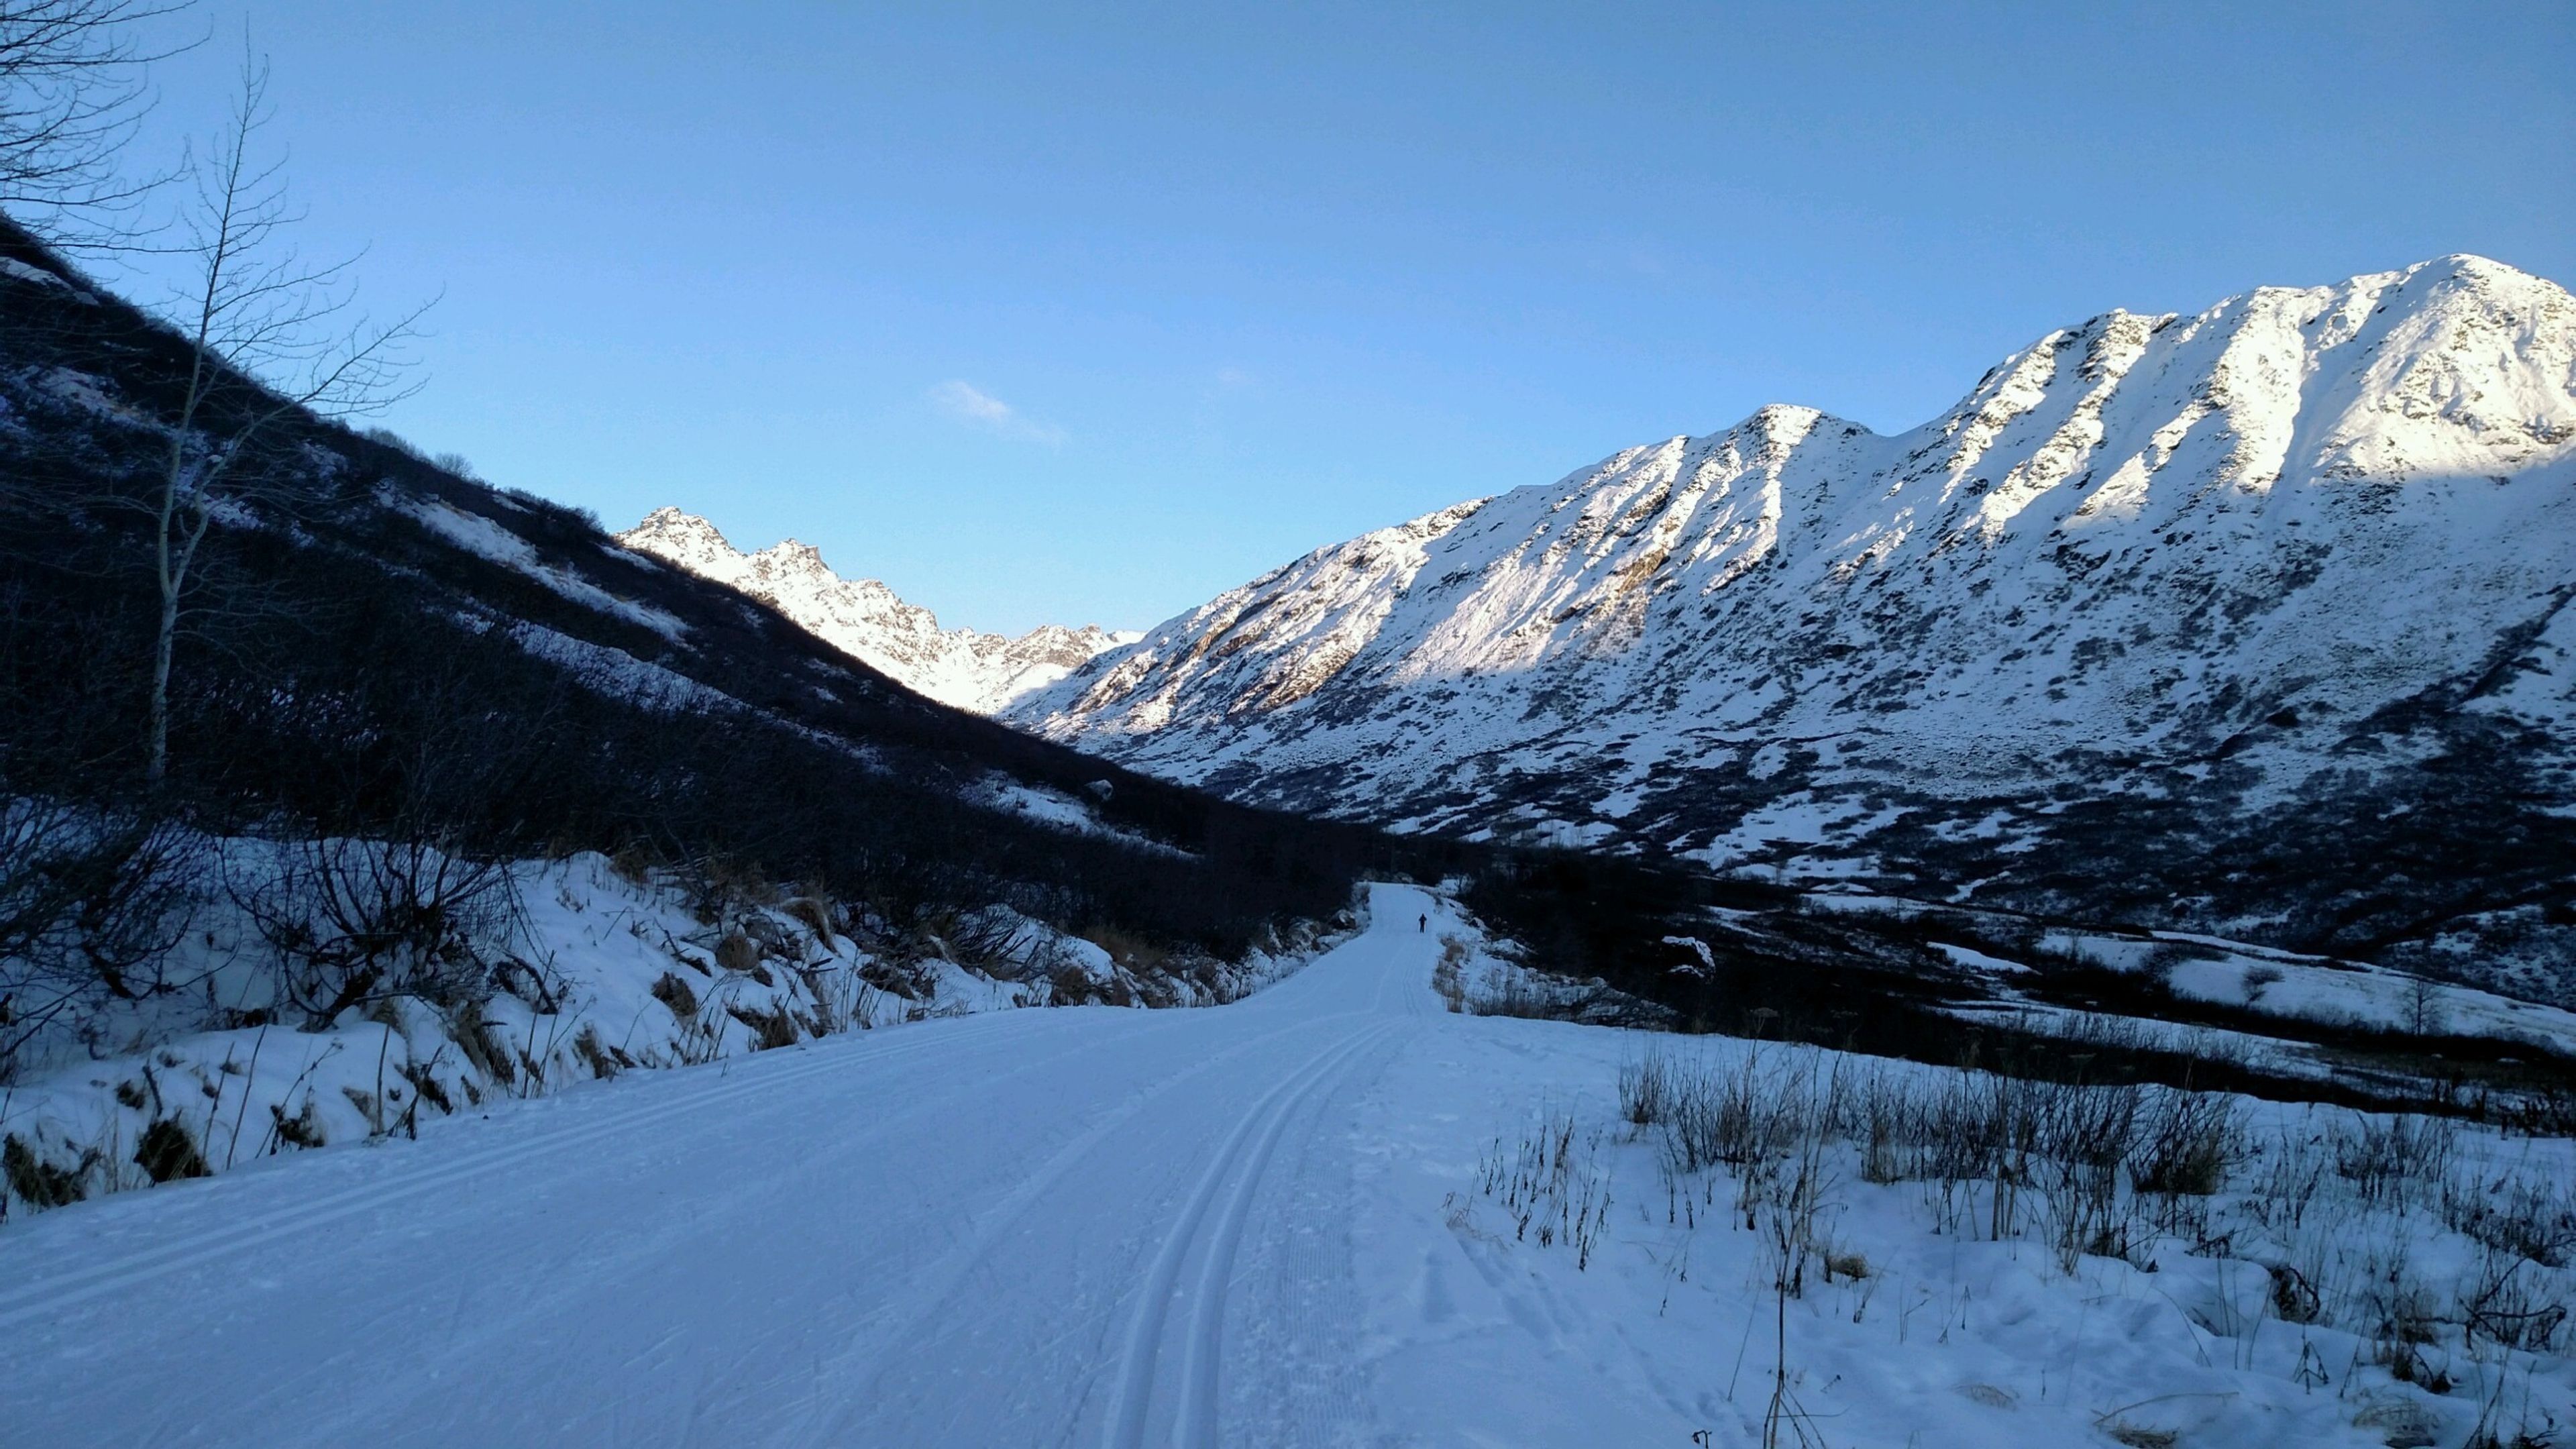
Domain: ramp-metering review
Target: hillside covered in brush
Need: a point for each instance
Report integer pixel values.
(373, 647)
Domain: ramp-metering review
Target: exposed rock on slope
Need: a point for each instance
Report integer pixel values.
(868, 621)
(2254, 618)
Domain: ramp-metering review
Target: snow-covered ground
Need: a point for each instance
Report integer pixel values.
(1310, 1217)
(483, 537)
(2263, 980)
(599, 973)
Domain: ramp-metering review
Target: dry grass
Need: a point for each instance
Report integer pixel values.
(1127, 948)
(1449, 977)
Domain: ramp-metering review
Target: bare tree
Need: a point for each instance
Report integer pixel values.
(2423, 1006)
(272, 338)
(72, 93)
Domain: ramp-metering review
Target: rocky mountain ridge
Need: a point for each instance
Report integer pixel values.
(2253, 619)
(870, 622)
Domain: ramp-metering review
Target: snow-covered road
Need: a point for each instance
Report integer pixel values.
(1085, 1226)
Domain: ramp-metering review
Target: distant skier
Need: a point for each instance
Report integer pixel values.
(1423, 925)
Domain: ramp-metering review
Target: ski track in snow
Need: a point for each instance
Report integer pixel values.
(1027, 1227)
(1257, 1224)
(45, 1295)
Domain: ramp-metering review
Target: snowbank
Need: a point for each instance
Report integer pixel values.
(589, 973)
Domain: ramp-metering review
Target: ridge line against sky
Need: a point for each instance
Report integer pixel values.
(1055, 318)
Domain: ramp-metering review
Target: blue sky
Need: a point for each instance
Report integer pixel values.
(1083, 314)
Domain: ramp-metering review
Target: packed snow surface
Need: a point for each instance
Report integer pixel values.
(866, 620)
(1275, 1222)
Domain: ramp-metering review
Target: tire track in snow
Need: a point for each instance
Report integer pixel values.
(53, 1294)
(1240, 1162)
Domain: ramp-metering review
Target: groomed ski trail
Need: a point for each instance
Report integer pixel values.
(1027, 1228)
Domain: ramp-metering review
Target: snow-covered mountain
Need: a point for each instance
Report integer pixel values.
(2254, 616)
(868, 621)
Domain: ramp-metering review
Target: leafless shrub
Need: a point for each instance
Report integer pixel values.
(91, 905)
(1716, 1117)
(1887, 1113)
(1137, 954)
(1514, 994)
(1960, 1136)
(717, 888)
(995, 941)
(2400, 1316)
(356, 921)
(2505, 1301)
(2082, 1135)
(1788, 1195)
(2161, 962)
(2295, 1166)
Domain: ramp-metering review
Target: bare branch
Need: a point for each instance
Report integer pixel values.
(73, 92)
(270, 338)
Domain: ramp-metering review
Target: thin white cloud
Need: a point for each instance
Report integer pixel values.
(968, 403)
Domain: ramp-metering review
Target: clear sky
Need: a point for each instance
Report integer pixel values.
(1085, 313)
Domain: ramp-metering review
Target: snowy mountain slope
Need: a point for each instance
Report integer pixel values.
(2252, 619)
(866, 620)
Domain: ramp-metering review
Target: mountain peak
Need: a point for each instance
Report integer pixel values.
(2137, 547)
(869, 621)
(669, 524)
(2486, 269)
(790, 553)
